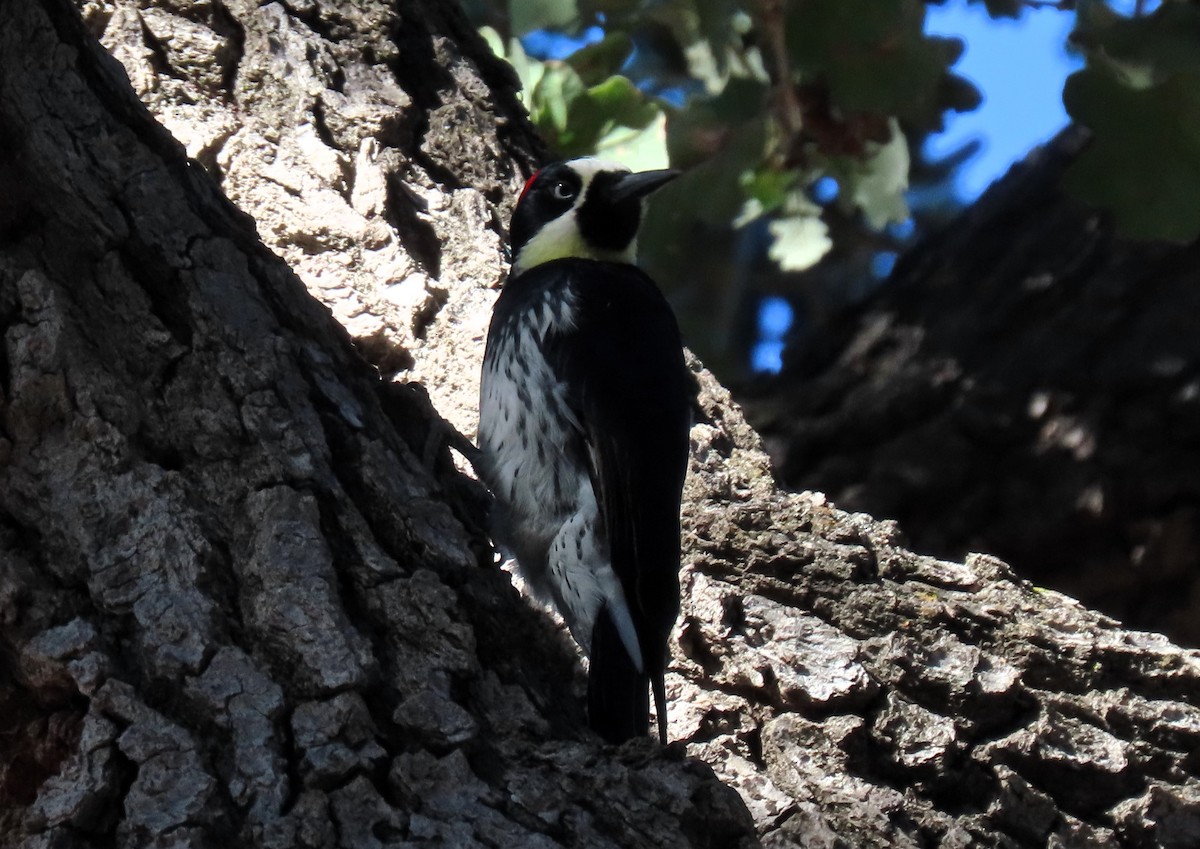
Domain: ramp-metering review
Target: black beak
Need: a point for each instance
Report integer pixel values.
(639, 185)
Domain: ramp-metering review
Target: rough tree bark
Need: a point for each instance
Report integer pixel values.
(1026, 384)
(244, 595)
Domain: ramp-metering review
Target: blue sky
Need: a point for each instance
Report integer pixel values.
(1019, 66)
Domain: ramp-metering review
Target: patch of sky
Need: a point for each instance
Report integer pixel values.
(1019, 65)
(825, 190)
(775, 316)
(766, 357)
(548, 44)
(883, 263)
(902, 230)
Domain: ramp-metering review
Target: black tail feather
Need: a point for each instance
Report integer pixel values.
(618, 694)
(659, 685)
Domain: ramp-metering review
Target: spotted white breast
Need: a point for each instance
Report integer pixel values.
(545, 513)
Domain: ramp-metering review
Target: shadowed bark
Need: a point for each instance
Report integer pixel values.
(244, 594)
(1026, 384)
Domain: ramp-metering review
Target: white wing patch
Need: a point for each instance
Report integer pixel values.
(584, 579)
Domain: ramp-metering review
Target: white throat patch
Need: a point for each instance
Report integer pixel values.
(561, 239)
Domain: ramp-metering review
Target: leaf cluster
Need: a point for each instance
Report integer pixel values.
(796, 122)
(582, 106)
(1140, 96)
(780, 94)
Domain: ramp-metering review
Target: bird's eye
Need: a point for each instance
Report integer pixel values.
(561, 191)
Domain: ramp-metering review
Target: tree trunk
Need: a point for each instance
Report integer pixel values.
(1026, 384)
(245, 598)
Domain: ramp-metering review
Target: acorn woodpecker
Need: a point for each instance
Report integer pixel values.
(585, 409)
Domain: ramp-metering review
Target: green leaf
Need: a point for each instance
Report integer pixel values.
(1003, 8)
(622, 102)
(959, 94)
(527, 15)
(877, 185)
(552, 97)
(708, 124)
(720, 25)
(706, 36)
(1140, 97)
(574, 118)
(770, 188)
(493, 39)
(529, 71)
(1144, 49)
(1143, 163)
(598, 61)
(641, 150)
(616, 102)
(799, 241)
(875, 57)
(613, 9)
(710, 191)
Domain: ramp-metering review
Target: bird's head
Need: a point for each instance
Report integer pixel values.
(585, 208)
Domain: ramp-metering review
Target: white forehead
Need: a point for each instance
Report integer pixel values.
(588, 168)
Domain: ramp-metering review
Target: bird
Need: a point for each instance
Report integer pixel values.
(586, 405)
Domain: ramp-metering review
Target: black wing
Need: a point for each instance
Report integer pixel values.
(633, 396)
